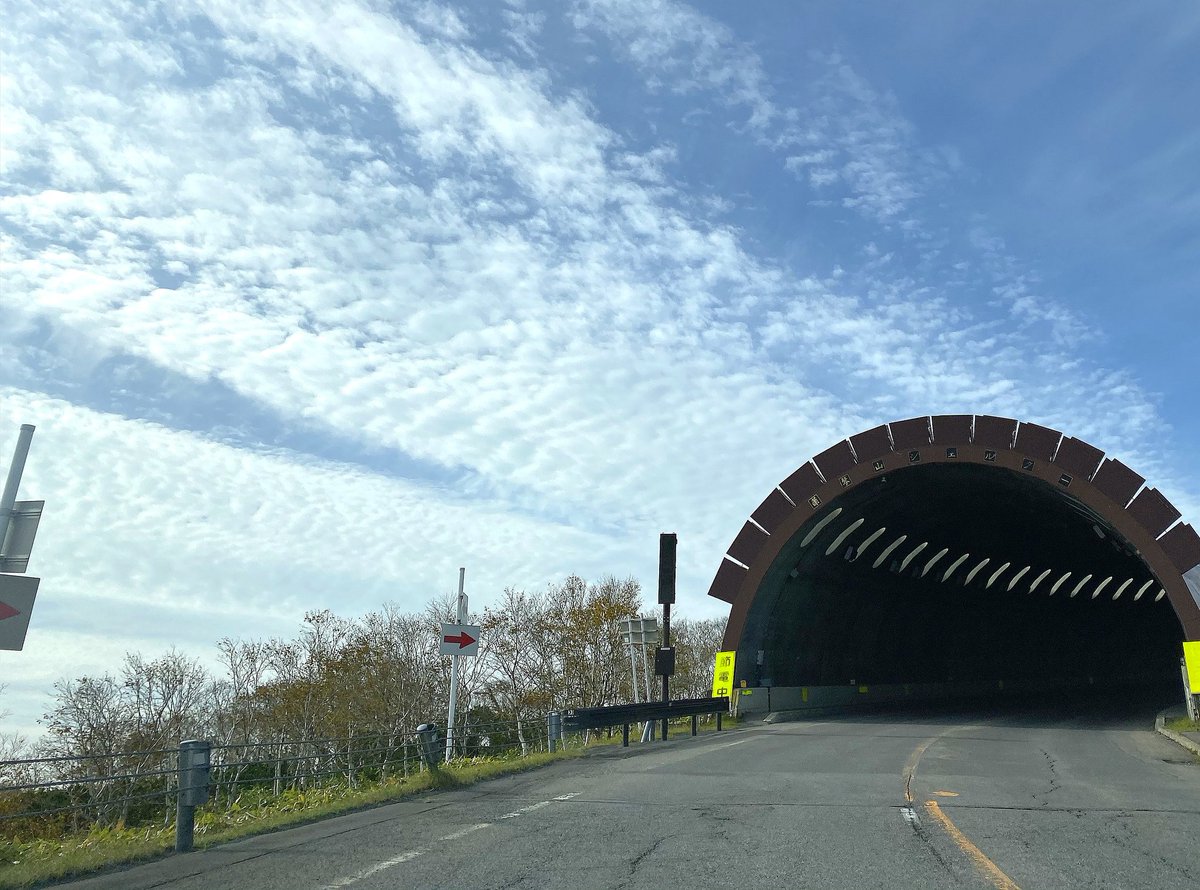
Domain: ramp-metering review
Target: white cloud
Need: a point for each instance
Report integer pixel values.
(683, 51)
(360, 223)
(187, 540)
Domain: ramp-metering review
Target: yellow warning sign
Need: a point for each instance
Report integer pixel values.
(723, 674)
(1191, 659)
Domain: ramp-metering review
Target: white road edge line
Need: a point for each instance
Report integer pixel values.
(454, 836)
(539, 805)
(402, 858)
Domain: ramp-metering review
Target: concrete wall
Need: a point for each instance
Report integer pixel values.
(802, 700)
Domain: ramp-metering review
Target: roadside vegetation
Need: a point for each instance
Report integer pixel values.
(28, 862)
(1182, 724)
(318, 724)
(37, 860)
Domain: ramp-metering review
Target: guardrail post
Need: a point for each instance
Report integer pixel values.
(553, 730)
(195, 759)
(427, 736)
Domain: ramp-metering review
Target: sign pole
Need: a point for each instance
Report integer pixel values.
(632, 665)
(648, 726)
(460, 618)
(9, 499)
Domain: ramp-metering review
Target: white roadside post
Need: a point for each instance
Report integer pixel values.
(459, 640)
(460, 619)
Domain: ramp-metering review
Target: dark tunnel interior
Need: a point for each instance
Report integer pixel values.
(847, 603)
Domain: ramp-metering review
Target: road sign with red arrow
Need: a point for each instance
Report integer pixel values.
(17, 593)
(460, 639)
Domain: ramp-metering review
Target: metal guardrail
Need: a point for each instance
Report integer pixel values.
(581, 719)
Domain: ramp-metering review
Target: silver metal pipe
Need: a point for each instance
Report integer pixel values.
(9, 499)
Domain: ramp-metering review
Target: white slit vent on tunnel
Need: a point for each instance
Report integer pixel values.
(954, 565)
(871, 539)
(916, 550)
(1038, 580)
(996, 575)
(817, 529)
(929, 565)
(975, 571)
(846, 532)
(887, 551)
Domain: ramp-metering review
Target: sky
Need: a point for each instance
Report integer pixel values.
(313, 302)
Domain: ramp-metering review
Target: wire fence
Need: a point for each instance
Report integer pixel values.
(58, 795)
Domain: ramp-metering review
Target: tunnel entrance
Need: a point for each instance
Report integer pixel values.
(960, 552)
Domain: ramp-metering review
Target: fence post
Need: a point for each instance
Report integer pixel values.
(195, 757)
(427, 735)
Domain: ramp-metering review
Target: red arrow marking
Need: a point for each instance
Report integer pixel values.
(463, 639)
(7, 611)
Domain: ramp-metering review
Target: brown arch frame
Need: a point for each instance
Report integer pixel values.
(1141, 514)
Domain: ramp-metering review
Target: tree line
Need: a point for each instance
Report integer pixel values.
(379, 675)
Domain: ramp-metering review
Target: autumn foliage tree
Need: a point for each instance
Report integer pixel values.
(378, 676)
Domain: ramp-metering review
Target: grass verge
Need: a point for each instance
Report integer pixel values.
(1182, 724)
(39, 861)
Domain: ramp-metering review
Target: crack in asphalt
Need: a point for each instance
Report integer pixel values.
(1121, 835)
(1055, 785)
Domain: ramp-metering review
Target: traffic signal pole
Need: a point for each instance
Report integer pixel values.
(665, 663)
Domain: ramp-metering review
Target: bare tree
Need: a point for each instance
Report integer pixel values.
(13, 746)
(522, 678)
(696, 643)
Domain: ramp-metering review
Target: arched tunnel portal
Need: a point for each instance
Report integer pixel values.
(960, 552)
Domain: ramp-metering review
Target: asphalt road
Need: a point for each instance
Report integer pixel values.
(1058, 798)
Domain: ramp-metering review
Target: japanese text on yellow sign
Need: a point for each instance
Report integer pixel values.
(723, 674)
(1191, 658)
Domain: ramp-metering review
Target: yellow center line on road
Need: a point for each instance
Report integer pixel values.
(990, 869)
(910, 768)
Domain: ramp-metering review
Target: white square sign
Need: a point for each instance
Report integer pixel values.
(460, 639)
